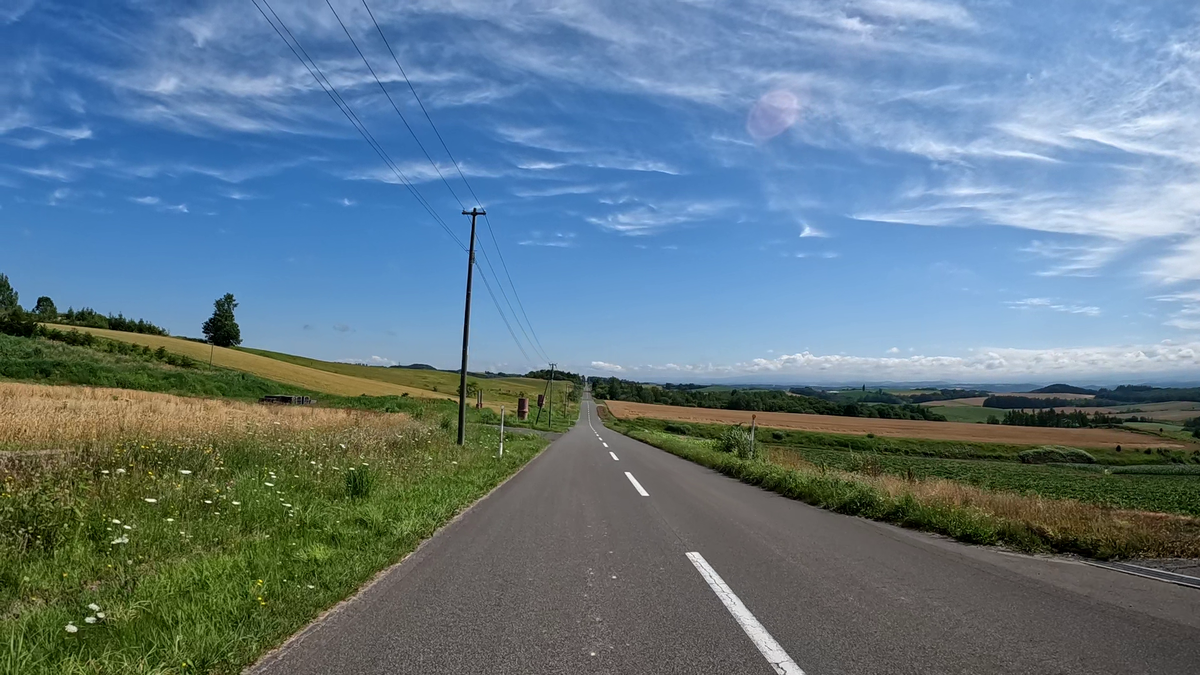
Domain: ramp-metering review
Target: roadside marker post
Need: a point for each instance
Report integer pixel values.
(752, 419)
(501, 431)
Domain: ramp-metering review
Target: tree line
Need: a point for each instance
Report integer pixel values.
(1053, 418)
(616, 389)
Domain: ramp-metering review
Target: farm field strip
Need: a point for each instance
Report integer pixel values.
(271, 369)
(949, 431)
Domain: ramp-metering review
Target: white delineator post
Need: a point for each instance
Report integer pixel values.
(501, 431)
(752, 419)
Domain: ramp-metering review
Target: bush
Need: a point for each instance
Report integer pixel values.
(18, 322)
(1057, 454)
(680, 429)
(736, 441)
(777, 435)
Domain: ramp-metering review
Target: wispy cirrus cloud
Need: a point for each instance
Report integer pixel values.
(1047, 303)
(646, 219)
(551, 239)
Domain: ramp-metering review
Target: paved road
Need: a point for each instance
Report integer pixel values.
(569, 568)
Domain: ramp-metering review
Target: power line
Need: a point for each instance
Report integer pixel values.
(395, 107)
(488, 286)
(348, 111)
(486, 219)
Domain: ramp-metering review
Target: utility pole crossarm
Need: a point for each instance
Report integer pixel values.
(462, 380)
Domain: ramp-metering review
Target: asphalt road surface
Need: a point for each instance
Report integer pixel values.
(606, 555)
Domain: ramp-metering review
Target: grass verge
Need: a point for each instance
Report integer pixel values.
(182, 547)
(967, 513)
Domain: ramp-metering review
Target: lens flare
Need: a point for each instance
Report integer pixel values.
(773, 114)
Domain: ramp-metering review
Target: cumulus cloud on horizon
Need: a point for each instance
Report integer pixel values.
(982, 365)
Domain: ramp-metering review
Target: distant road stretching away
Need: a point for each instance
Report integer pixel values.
(606, 555)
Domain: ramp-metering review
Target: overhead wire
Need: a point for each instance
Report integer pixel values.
(535, 342)
(488, 286)
(348, 111)
(487, 259)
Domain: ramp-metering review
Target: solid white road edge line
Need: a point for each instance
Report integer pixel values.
(767, 646)
(613, 456)
(640, 489)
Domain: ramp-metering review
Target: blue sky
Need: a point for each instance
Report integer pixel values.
(789, 191)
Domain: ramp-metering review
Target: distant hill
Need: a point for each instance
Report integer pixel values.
(416, 366)
(1063, 389)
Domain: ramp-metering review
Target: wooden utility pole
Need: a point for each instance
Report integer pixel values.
(462, 380)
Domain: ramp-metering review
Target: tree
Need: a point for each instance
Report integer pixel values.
(8, 296)
(221, 329)
(45, 309)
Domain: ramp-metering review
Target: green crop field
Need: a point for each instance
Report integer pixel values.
(967, 413)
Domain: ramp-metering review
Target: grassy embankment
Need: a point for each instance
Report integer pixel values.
(206, 532)
(350, 380)
(237, 375)
(976, 493)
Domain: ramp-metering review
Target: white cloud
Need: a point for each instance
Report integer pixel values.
(980, 366)
(149, 201)
(372, 361)
(894, 350)
(347, 202)
(652, 218)
(807, 230)
(554, 240)
(1046, 303)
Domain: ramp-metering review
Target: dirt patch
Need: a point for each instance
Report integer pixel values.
(944, 431)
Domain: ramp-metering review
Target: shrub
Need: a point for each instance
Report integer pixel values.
(680, 429)
(736, 441)
(1056, 453)
(359, 481)
(870, 435)
(777, 435)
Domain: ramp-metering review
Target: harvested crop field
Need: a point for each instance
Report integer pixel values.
(945, 431)
(40, 416)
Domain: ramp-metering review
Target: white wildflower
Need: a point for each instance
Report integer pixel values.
(170, 520)
(288, 505)
(123, 539)
(237, 503)
(268, 484)
(115, 521)
(120, 470)
(99, 615)
(207, 501)
(185, 472)
(127, 527)
(90, 619)
(342, 446)
(94, 607)
(151, 500)
(104, 471)
(72, 628)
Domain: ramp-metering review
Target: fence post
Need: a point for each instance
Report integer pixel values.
(501, 431)
(752, 422)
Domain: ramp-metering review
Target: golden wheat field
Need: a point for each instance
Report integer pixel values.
(36, 417)
(945, 431)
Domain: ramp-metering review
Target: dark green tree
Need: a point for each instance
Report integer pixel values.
(8, 296)
(221, 329)
(45, 309)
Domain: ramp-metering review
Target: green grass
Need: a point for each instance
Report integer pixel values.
(44, 362)
(1169, 493)
(847, 493)
(992, 467)
(920, 447)
(265, 533)
(1102, 536)
(1171, 431)
(969, 413)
